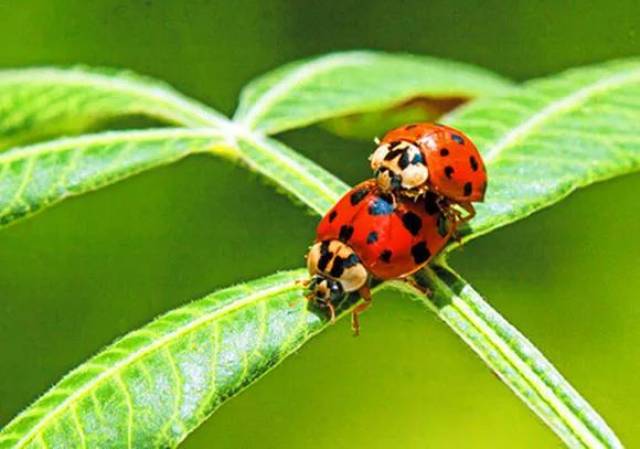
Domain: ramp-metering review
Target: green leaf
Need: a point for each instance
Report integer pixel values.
(516, 361)
(352, 82)
(35, 177)
(609, 92)
(552, 137)
(294, 174)
(38, 176)
(155, 385)
(48, 101)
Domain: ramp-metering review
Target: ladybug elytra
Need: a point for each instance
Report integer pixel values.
(369, 233)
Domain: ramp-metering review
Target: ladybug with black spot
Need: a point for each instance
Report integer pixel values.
(369, 233)
(426, 157)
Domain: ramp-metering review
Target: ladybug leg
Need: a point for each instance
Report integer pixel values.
(303, 283)
(309, 297)
(469, 209)
(365, 293)
(453, 227)
(443, 205)
(452, 217)
(426, 290)
(457, 218)
(332, 312)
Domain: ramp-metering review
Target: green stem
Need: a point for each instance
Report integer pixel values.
(514, 359)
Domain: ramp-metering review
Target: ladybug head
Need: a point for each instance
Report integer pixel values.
(399, 166)
(335, 270)
(324, 291)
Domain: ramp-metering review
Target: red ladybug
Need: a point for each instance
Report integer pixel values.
(368, 234)
(427, 157)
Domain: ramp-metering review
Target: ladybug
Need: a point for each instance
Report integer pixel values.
(368, 233)
(427, 157)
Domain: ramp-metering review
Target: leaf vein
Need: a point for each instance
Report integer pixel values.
(160, 342)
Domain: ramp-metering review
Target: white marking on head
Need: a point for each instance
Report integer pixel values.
(416, 173)
(377, 157)
(406, 169)
(351, 277)
(414, 176)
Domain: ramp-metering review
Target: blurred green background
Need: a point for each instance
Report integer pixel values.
(82, 273)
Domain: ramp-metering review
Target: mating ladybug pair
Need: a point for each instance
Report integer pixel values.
(389, 227)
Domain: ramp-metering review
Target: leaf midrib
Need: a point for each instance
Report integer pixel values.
(160, 342)
(567, 103)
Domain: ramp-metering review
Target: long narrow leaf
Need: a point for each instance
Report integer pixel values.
(155, 385)
(338, 84)
(557, 134)
(38, 176)
(48, 101)
(35, 177)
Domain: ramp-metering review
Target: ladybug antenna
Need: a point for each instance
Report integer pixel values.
(376, 141)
